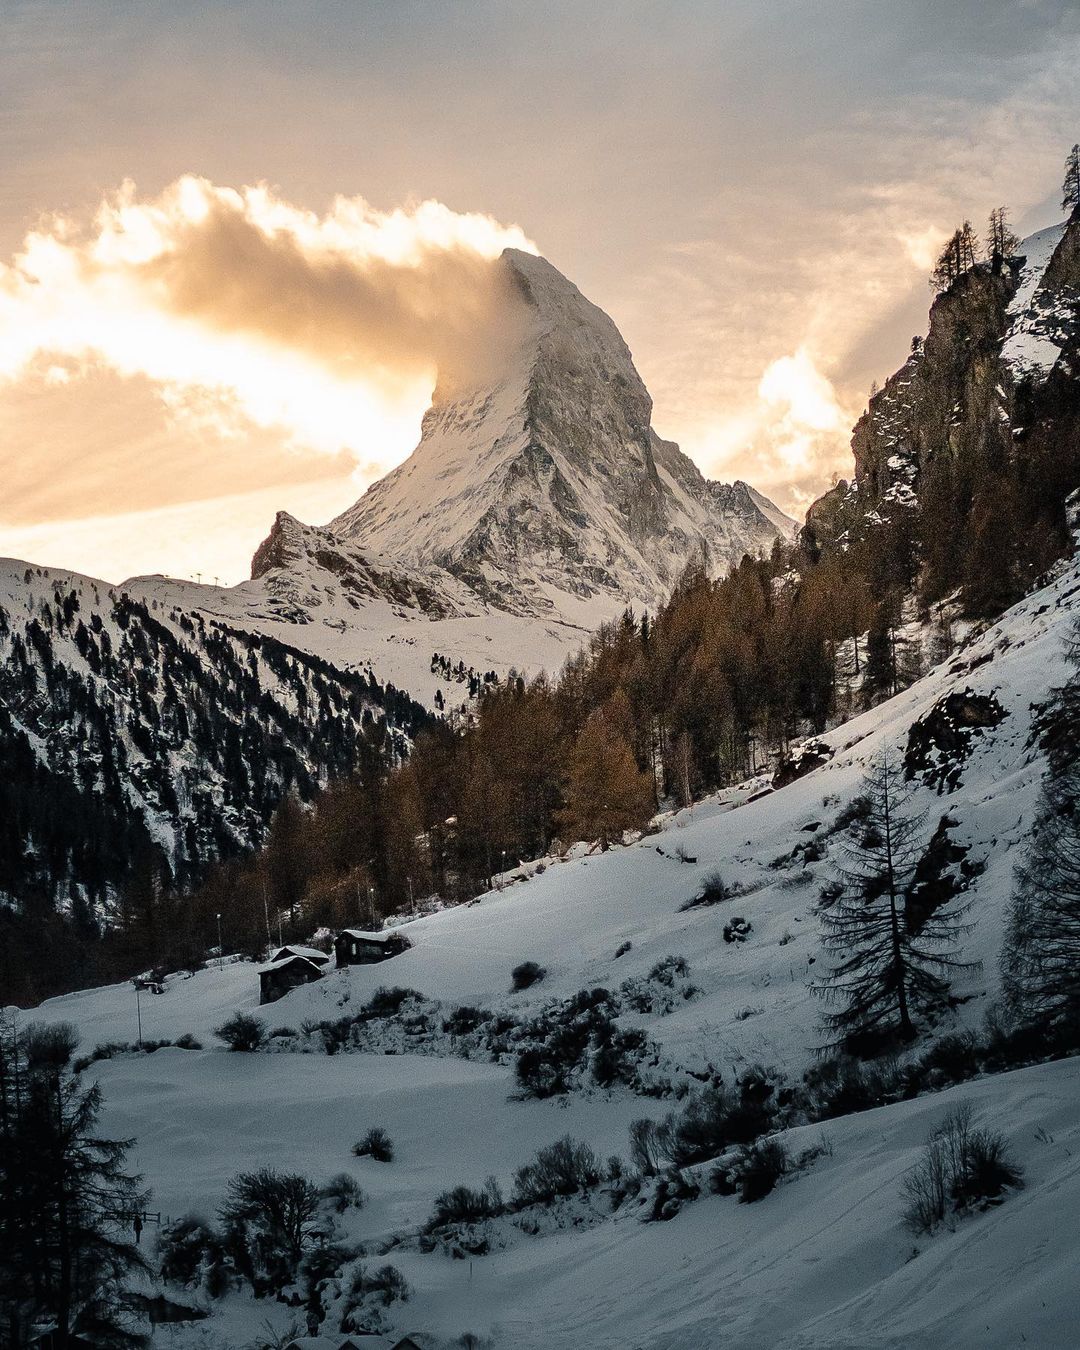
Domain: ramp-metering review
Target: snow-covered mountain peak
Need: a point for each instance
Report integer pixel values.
(547, 490)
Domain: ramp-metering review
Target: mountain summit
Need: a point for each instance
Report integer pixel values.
(546, 490)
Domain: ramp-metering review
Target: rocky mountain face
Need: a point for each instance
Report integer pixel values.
(982, 421)
(549, 492)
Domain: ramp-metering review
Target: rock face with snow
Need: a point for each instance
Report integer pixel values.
(550, 488)
(998, 374)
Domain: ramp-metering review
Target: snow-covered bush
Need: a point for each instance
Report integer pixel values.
(563, 1168)
(961, 1168)
(370, 1293)
(271, 1219)
(191, 1254)
(376, 1144)
(341, 1193)
(737, 929)
(525, 975)
(242, 1032)
(714, 891)
(464, 1204)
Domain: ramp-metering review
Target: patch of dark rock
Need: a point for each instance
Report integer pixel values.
(941, 741)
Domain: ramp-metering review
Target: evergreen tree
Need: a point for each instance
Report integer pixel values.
(1040, 962)
(67, 1202)
(883, 974)
(1070, 187)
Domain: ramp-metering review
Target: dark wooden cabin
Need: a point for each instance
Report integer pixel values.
(355, 947)
(277, 978)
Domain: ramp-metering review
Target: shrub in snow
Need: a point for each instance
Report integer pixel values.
(962, 1168)
(376, 1144)
(341, 1193)
(525, 975)
(672, 1192)
(573, 1037)
(761, 1167)
(187, 1042)
(623, 948)
(464, 1020)
(283, 1033)
(737, 929)
(563, 1168)
(386, 1002)
(464, 1204)
(749, 1171)
(714, 890)
(242, 1032)
(650, 1145)
(370, 1293)
(271, 1219)
(952, 1058)
(191, 1254)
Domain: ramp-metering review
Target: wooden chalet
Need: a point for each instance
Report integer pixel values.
(276, 978)
(357, 947)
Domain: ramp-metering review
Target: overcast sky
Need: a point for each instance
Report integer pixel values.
(753, 189)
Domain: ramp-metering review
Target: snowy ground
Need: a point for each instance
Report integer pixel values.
(824, 1261)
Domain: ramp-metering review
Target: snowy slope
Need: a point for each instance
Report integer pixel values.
(1042, 316)
(824, 1262)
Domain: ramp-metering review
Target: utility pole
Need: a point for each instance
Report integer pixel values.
(220, 945)
(266, 916)
(138, 1009)
(412, 898)
(371, 905)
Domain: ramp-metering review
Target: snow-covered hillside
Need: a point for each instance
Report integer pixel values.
(131, 718)
(823, 1262)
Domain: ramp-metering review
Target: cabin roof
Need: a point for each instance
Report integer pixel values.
(289, 961)
(291, 949)
(364, 936)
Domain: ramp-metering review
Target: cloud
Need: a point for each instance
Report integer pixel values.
(248, 311)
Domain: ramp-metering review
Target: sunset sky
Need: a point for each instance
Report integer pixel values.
(237, 239)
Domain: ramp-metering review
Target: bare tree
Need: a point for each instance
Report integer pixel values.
(1001, 242)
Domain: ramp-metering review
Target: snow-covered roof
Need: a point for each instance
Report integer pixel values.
(288, 961)
(364, 935)
(312, 953)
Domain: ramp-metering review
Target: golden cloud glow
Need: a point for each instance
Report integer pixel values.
(248, 311)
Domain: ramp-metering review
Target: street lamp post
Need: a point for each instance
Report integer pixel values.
(220, 945)
(371, 906)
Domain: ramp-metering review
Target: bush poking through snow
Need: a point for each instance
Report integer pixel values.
(463, 1204)
(369, 1295)
(342, 1193)
(961, 1169)
(738, 929)
(563, 1168)
(242, 1032)
(714, 891)
(191, 1255)
(525, 975)
(376, 1144)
